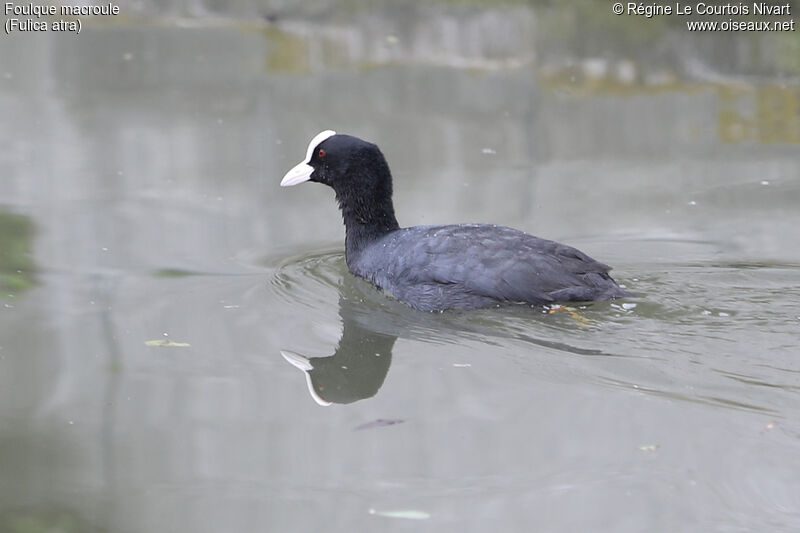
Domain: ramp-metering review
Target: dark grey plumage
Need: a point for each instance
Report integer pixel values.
(477, 265)
(433, 268)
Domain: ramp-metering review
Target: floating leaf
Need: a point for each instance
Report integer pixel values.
(408, 514)
(168, 343)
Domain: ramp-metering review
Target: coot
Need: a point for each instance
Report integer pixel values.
(433, 268)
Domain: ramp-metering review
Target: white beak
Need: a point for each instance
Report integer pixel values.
(302, 171)
(301, 362)
(299, 173)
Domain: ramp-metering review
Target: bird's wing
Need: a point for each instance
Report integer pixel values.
(492, 261)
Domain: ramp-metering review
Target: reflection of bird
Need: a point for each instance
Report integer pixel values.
(361, 360)
(371, 324)
(354, 372)
(431, 268)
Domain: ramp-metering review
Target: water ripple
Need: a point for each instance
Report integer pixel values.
(309, 279)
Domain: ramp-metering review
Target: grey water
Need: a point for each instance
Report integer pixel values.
(183, 349)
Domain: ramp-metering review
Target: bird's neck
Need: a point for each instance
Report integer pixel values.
(365, 198)
(365, 222)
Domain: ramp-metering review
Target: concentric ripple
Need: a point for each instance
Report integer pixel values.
(311, 279)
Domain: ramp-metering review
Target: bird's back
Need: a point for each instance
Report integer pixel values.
(468, 266)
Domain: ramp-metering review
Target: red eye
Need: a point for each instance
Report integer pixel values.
(321, 153)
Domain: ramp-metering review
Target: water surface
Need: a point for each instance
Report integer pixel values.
(140, 205)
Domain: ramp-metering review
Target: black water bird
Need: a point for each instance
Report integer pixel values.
(434, 268)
